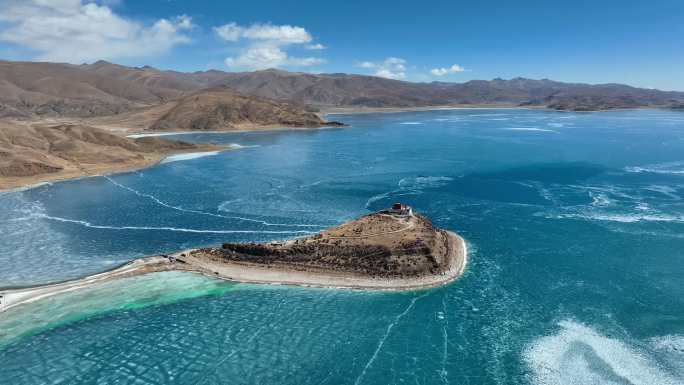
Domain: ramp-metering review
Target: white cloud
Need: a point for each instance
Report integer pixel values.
(265, 45)
(76, 31)
(317, 46)
(274, 34)
(262, 57)
(229, 32)
(446, 71)
(391, 67)
(258, 58)
(283, 34)
(304, 61)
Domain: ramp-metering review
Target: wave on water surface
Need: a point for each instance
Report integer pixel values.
(410, 185)
(622, 217)
(579, 355)
(673, 168)
(533, 129)
(424, 181)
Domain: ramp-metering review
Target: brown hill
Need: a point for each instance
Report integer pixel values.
(214, 109)
(222, 109)
(31, 153)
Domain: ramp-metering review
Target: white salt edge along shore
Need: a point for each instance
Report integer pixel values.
(274, 128)
(246, 273)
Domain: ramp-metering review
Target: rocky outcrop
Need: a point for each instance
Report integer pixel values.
(376, 245)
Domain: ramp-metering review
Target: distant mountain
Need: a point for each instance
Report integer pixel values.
(102, 88)
(50, 89)
(342, 90)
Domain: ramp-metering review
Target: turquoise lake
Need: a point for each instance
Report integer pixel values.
(574, 223)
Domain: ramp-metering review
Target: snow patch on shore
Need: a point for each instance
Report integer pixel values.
(145, 135)
(188, 156)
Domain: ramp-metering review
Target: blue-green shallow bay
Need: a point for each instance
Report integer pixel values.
(123, 294)
(575, 223)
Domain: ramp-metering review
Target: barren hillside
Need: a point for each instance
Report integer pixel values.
(33, 152)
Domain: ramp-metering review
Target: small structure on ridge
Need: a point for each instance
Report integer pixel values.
(401, 209)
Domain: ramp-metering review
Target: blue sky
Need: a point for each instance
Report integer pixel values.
(634, 42)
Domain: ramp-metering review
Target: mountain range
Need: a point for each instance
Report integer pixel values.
(33, 89)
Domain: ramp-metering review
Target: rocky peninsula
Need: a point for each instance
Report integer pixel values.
(393, 249)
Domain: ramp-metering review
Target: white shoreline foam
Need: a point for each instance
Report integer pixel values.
(25, 188)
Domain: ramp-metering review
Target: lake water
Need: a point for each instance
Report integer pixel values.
(575, 225)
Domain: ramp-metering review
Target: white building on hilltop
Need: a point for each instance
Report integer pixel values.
(401, 209)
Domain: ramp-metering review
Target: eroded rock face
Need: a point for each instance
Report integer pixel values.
(378, 244)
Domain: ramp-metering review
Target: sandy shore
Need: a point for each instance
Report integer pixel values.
(13, 297)
(247, 273)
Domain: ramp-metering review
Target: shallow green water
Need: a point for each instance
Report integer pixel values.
(124, 294)
(575, 224)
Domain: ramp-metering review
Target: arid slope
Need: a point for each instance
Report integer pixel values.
(31, 153)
